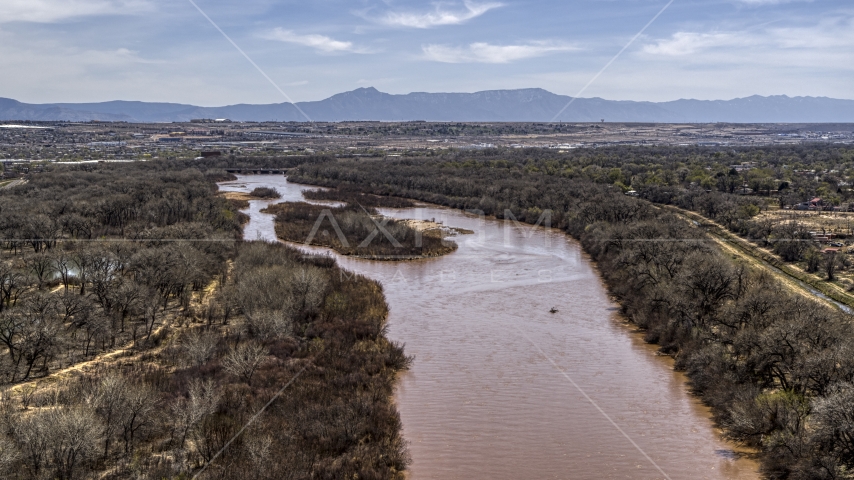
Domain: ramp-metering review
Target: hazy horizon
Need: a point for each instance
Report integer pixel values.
(83, 51)
(422, 92)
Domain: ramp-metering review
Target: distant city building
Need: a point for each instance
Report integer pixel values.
(278, 134)
(744, 167)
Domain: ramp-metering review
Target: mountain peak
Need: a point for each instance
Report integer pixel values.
(366, 90)
(522, 105)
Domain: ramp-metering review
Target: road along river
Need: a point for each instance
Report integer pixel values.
(501, 388)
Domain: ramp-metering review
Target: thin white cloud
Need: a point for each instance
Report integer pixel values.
(822, 38)
(822, 52)
(690, 43)
(319, 42)
(119, 57)
(440, 16)
(486, 53)
(829, 34)
(50, 11)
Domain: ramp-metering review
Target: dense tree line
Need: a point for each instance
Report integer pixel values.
(358, 231)
(143, 261)
(795, 172)
(731, 186)
(774, 366)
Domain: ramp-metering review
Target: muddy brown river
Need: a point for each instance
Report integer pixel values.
(501, 388)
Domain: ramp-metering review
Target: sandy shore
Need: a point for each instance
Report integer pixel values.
(428, 226)
(242, 196)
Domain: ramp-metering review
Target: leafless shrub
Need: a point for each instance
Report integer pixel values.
(258, 447)
(7, 402)
(199, 346)
(264, 288)
(126, 409)
(27, 393)
(244, 360)
(9, 453)
(266, 324)
(309, 288)
(202, 401)
(57, 440)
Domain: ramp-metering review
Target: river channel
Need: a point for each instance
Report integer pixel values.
(501, 387)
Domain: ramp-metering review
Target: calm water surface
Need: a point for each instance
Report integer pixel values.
(503, 389)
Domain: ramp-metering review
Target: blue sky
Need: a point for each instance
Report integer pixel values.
(165, 50)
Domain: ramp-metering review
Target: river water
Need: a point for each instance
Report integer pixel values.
(501, 388)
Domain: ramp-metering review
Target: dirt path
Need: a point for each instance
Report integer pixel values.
(13, 183)
(792, 277)
(127, 353)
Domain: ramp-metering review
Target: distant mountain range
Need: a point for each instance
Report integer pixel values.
(526, 105)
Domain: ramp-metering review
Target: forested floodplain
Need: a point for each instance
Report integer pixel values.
(356, 231)
(775, 367)
(140, 336)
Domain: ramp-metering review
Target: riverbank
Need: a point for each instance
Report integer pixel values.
(694, 302)
(467, 405)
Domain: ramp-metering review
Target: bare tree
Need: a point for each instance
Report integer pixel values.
(831, 264)
(308, 286)
(813, 258)
(258, 447)
(138, 408)
(77, 226)
(42, 266)
(13, 284)
(9, 454)
(84, 261)
(203, 400)
(41, 232)
(244, 360)
(31, 337)
(126, 409)
(55, 440)
(96, 327)
(227, 300)
(62, 264)
(102, 276)
(108, 399)
(200, 346)
(74, 437)
(126, 296)
(149, 315)
(32, 434)
(266, 324)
